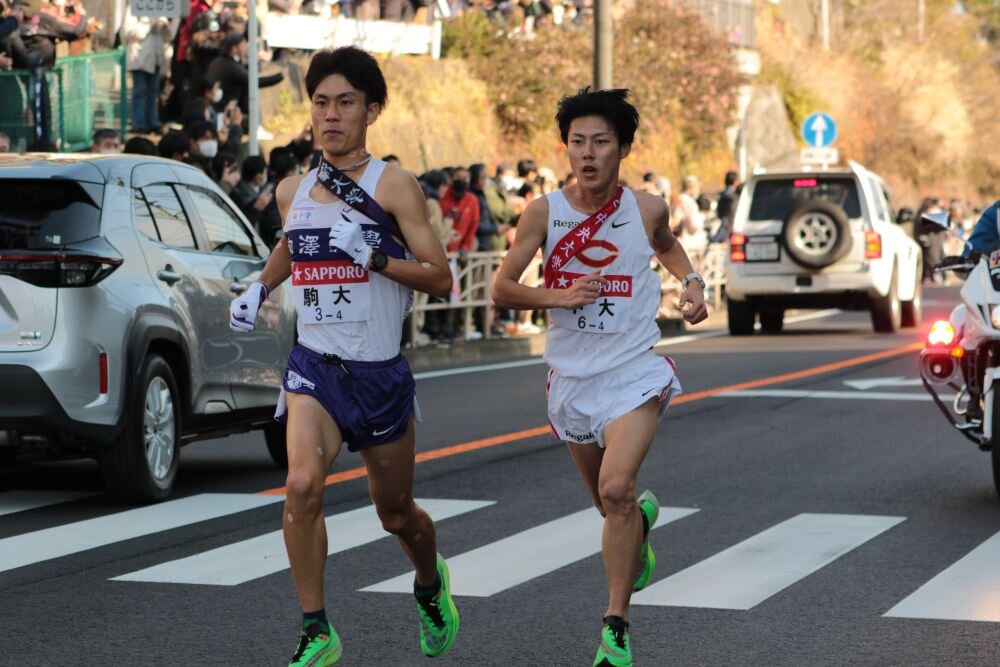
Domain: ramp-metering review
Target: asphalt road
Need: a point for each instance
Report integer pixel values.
(805, 510)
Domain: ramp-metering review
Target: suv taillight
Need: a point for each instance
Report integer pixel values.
(873, 245)
(47, 269)
(737, 248)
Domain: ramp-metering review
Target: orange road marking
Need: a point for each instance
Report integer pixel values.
(462, 448)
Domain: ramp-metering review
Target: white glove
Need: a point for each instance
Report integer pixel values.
(346, 235)
(243, 309)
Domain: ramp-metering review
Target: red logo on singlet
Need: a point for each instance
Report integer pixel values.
(331, 272)
(617, 285)
(598, 262)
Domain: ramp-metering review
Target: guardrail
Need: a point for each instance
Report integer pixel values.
(474, 274)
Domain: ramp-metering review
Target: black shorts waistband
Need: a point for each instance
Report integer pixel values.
(336, 359)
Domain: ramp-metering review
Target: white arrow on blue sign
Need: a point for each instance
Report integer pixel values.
(819, 130)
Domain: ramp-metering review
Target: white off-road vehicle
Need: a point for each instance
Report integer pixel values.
(820, 239)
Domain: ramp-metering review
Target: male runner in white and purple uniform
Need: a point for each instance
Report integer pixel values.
(346, 380)
(607, 389)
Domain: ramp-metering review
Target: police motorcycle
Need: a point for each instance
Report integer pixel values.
(962, 353)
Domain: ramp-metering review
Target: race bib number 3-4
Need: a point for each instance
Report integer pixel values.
(331, 292)
(604, 315)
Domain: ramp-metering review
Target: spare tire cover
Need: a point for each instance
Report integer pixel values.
(816, 234)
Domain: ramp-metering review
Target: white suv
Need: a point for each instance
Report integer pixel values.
(820, 239)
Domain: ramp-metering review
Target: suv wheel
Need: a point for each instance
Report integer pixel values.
(741, 317)
(141, 464)
(913, 311)
(816, 234)
(887, 311)
(772, 319)
(277, 443)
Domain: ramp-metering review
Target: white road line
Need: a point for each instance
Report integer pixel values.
(750, 572)
(837, 395)
(969, 590)
(21, 501)
(80, 536)
(532, 553)
(261, 556)
(663, 342)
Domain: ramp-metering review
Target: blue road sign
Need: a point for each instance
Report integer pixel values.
(819, 130)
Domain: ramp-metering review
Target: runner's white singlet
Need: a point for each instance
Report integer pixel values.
(356, 314)
(621, 325)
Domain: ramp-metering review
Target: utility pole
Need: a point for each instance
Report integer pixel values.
(921, 19)
(253, 96)
(603, 42)
(825, 11)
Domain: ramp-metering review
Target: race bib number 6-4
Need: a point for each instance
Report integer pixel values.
(331, 292)
(600, 317)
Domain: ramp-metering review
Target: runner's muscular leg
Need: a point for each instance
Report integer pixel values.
(588, 461)
(627, 439)
(390, 483)
(314, 440)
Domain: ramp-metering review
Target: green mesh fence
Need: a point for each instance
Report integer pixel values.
(82, 92)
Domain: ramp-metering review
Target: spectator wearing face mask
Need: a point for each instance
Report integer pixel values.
(204, 146)
(227, 124)
(253, 193)
(146, 40)
(105, 141)
(463, 208)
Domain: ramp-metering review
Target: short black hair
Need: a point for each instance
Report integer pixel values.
(283, 162)
(139, 146)
(206, 83)
(648, 177)
(222, 160)
(477, 172)
(253, 166)
(731, 178)
(200, 128)
(231, 40)
(611, 105)
(525, 167)
(174, 143)
(435, 178)
(103, 133)
(356, 65)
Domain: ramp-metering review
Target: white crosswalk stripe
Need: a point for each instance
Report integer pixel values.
(527, 555)
(258, 557)
(41, 545)
(969, 590)
(750, 572)
(22, 501)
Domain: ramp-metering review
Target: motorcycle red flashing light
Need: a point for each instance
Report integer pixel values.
(873, 245)
(942, 334)
(737, 248)
(958, 352)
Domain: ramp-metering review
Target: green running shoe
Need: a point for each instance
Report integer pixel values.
(650, 508)
(438, 617)
(614, 650)
(318, 647)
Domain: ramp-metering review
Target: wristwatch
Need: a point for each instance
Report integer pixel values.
(378, 261)
(695, 276)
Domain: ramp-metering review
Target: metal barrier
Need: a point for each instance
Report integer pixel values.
(81, 93)
(732, 18)
(474, 284)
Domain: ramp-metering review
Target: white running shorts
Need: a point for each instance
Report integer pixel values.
(581, 408)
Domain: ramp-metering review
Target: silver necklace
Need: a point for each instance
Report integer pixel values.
(357, 166)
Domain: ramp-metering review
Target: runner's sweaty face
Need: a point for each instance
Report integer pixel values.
(594, 152)
(340, 117)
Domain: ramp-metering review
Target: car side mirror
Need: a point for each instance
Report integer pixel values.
(905, 215)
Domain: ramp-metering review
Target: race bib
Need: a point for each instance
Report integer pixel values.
(331, 292)
(602, 316)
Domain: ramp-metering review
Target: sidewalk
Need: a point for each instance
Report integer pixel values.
(517, 347)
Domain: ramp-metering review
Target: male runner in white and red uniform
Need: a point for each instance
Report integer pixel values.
(607, 389)
(346, 380)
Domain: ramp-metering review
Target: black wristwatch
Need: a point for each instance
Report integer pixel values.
(379, 261)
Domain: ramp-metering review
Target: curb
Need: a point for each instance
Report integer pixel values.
(500, 349)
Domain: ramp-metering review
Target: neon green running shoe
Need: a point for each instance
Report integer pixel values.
(318, 647)
(650, 508)
(438, 617)
(614, 650)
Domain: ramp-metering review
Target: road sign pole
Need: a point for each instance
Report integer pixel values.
(603, 42)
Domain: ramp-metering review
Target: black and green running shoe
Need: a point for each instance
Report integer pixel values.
(650, 508)
(319, 646)
(614, 650)
(438, 617)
